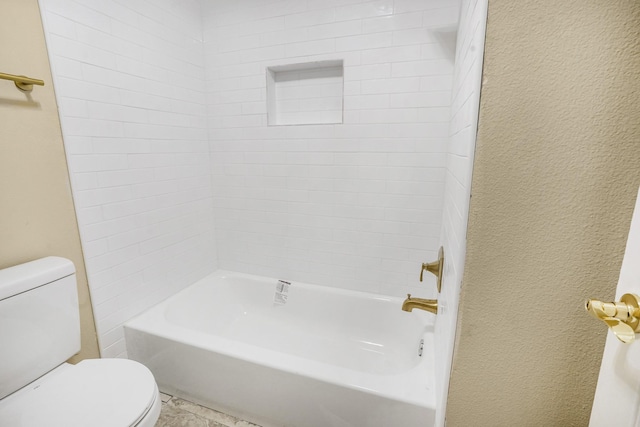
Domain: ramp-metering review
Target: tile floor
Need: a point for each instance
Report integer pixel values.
(178, 412)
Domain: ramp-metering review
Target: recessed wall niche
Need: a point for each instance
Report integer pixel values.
(303, 94)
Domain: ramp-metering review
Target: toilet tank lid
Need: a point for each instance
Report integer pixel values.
(24, 277)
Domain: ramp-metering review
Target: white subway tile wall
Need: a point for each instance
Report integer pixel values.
(129, 81)
(460, 153)
(356, 205)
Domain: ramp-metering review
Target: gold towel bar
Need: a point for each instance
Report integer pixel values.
(23, 83)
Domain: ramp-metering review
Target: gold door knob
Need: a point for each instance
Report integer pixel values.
(435, 268)
(623, 317)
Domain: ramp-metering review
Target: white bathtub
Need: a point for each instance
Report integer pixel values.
(327, 357)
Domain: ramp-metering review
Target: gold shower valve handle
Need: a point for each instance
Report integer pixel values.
(435, 268)
(431, 267)
(622, 317)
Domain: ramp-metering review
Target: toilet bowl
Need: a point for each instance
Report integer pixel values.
(97, 393)
(39, 330)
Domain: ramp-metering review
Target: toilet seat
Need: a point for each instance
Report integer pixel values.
(96, 392)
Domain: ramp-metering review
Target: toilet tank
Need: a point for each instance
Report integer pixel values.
(39, 320)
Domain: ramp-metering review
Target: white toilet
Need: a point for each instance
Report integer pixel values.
(39, 330)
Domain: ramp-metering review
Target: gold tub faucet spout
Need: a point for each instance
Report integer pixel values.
(430, 305)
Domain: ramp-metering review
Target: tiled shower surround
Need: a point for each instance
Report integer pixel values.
(176, 171)
(128, 77)
(460, 153)
(355, 205)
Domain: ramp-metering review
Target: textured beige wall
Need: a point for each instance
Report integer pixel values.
(556, 172)
(36, 209)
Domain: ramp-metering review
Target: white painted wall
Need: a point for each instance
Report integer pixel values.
(355, 205)
(460, 153)
(128, 77)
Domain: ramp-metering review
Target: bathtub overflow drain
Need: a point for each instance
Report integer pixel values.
(420, 347)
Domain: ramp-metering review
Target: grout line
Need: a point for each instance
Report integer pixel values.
(165, 397)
